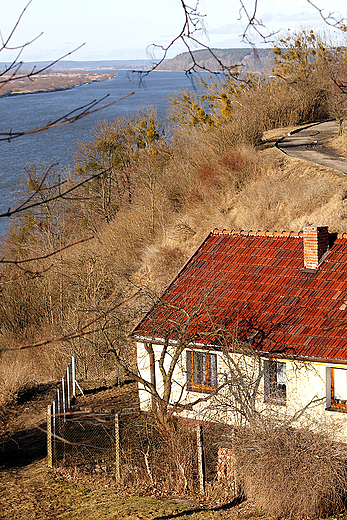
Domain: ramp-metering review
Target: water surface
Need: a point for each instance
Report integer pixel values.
(56, 145)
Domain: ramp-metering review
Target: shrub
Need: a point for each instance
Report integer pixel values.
(291, 472)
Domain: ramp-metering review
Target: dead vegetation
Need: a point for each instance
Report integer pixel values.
(142, 218)
(82, 269)
(339, 143)
(291, 472)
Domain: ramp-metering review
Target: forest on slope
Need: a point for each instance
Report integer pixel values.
(246, 59)
(79, 270)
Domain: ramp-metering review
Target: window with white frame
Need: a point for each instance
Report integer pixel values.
(275, 381)
(201, 371)
(338, 388)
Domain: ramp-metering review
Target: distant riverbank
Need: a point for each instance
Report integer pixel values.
(53, 82)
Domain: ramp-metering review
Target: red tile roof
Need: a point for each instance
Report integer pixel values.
(252, 287)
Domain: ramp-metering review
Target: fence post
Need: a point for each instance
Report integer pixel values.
(63, 396)
(58, 407)
(68, 388)
(73, 376)
(54, 428)
(201, 469)
(49, 437)
(117, 447)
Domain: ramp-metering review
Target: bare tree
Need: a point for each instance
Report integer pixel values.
(193, 28)
(14, 72)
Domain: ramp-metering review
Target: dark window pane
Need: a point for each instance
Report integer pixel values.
(275, 380)
(199, 368)
(213, 370)
(189, 354)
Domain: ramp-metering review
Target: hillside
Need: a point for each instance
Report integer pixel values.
(290, 193)
(97, 243)
(255, 60)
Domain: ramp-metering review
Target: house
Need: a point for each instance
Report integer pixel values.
(281, 296)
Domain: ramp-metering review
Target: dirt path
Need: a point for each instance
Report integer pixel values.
(24, 490)
(309, 144)
(28, 489)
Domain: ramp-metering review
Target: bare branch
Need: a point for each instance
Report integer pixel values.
(60, 195)
(44, 257)
(84, 330)
(193, 23)
(8, 39)
(330, 19)
(34, 72)
(254, 23)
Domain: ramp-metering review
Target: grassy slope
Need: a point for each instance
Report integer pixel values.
(33, 493)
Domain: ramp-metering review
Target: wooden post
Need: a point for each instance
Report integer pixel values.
(200, 449)
(49, 437)
(53, 424)
(117, 447)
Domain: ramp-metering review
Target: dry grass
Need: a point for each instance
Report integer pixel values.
(339, 143)
(290, 472)
(202, 181)
(280, 202)
(19, 369)
(36, 494)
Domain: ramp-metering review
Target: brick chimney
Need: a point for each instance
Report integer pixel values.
(316, 243)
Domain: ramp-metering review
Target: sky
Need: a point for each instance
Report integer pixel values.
(124, 29)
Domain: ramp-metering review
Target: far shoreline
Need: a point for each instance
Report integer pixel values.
(55, 82)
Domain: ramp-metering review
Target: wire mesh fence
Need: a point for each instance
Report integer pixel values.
(85, 441)
(93, 368)
(133, 448)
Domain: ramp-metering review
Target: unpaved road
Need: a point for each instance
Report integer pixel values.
(309, 144)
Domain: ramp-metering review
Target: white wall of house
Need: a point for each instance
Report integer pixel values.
(179, 392)
(307, 389)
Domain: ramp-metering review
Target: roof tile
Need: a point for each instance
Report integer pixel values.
(256, 280)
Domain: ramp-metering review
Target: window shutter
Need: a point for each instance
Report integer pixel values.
(213, 370)
(340, 385)
(199, 368)
(189, 369)
(267, 391)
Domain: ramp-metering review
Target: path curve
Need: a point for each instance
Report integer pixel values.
(309, 144)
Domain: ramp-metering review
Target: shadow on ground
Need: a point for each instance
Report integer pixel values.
(23, 447)
(188, 512)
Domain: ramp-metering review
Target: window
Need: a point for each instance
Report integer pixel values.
(201, 371)
(338, 388)
(275, 382)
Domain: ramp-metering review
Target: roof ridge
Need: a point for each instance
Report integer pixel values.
(262, 233)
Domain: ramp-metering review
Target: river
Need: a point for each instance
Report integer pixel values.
(24, 112)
